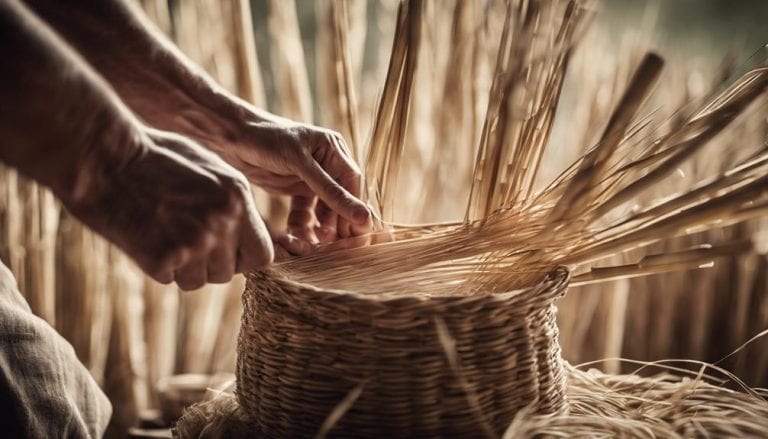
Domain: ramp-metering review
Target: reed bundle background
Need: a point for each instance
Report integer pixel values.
(130, 331)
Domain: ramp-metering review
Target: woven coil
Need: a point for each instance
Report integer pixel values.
(301, 350)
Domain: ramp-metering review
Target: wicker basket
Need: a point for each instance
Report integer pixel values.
(302, 350)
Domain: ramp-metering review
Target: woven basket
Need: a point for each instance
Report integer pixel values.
(301, 350)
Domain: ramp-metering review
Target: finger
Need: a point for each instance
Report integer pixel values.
(327, 219)
(279, 184)
(301, 218)
(214, 241)
(382, 237)
(161, 264)
(356, 241)
(294, 245)
(261, 176)
(254, 249)
(193, 275)
(345, 244)
(361, 229)
(352, 181)
(333, 194)
(164, 277)
(295, 189)
(190, 231)
(341, 143)
(221, 262)
(179, 258)
(340, 146)
(343, 228)
(221, 259)
(163, 270)
(281, 253)
(344, 169)
(351, 184)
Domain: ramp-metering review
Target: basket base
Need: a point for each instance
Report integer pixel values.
(601, 405)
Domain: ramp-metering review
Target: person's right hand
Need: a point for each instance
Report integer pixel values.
(180, 212)
(311, 164)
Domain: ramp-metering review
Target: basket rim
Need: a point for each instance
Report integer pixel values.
(558, 279)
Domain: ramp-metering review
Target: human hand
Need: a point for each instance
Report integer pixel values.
(288, 246)
(280, 155)
(311, 164)
(180, 212)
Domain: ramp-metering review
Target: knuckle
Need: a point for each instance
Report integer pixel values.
(165, 258)
(160, 275)
(234, 187)
(205, 241)
(219, 277)
(240, 182)
(220, 219)
(257, 256)
(165, 279)
(190, 282)
(154, 265)
(305, 159)
(193, 285)
(184, 284)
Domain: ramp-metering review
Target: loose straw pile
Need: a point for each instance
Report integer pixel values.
(314, 326)
(663, 406)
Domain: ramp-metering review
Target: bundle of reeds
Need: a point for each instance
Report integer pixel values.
(355, 321)
(511, 236)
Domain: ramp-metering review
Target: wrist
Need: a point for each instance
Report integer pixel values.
(105, 158)
(179, 98)
(217, 119)
(213, 119)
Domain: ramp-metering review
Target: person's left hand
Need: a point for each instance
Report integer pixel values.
(285, 245)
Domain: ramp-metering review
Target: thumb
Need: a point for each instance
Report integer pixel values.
(255, 250)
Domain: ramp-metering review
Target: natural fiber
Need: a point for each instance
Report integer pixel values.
(449, 329)
(302, 349)
(601, 405)
(662, 406)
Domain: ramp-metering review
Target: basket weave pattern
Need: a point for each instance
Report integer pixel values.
(301, 350)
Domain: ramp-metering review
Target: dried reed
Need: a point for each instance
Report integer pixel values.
(511, 237)
(682, 314)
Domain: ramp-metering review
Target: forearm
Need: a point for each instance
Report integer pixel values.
(150, 74)
(60, 124)
(169, 92)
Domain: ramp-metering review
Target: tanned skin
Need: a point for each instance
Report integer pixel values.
(146, 149)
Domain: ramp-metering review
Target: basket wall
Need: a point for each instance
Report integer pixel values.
(301, 350)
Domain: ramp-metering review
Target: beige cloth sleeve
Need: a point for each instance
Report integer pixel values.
(45, 392)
